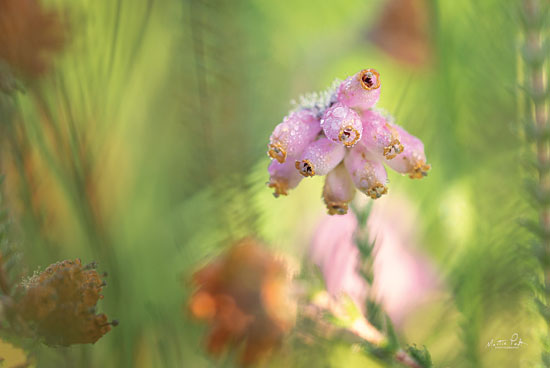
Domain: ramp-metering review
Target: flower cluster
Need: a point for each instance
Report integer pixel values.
(242, 294)
(59, 304)
(343, 136)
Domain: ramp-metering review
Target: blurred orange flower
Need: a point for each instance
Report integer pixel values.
(29, 36)
(403, 31)
(242, 295)
(60, 303)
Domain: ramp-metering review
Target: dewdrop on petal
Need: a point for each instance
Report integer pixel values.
(338, 191)
(379, 136)
(361, 90)
(283, 177)
(293, 135)
(342, 125)
(413, 160)
(320, 157)
(368, 174)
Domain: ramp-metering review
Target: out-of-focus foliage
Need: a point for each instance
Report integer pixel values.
(144, 149)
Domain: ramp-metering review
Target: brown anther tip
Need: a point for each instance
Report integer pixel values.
(376, 191)
(337, 208)
(393, 149)
(305, 168)
(114, 323)
(370, 79)
(90, 266)
(277, 152)
(419, 171)
(279, 188)
(346, 133)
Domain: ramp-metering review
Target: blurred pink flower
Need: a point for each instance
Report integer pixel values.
(334, 251)
(403, 278)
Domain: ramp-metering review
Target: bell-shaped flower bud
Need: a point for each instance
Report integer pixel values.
(413, 159)
(379, 136)
(368, 174)
(320, 157)
(361, 90)
(293, 135)
(283, 177)
(342, 125)
(338, 191)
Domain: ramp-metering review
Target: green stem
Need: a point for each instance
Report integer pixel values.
(375, 312)
(536, 114)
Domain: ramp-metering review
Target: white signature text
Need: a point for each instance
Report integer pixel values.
(515, 342)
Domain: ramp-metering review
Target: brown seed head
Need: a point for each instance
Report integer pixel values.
(60, 304)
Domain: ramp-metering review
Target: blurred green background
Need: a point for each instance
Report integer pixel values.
(165, 108)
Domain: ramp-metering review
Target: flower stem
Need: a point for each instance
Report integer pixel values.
(536, 117)
(361, 332)
(536, 77)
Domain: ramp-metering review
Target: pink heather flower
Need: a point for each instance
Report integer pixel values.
(320, 157)
(338, 191)
(368, 174)
(283, 177)
(342, 125)
(293, 135)
(403, 278)
(379, 136)
(361, 90)
(413, 160)
(338, 125)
